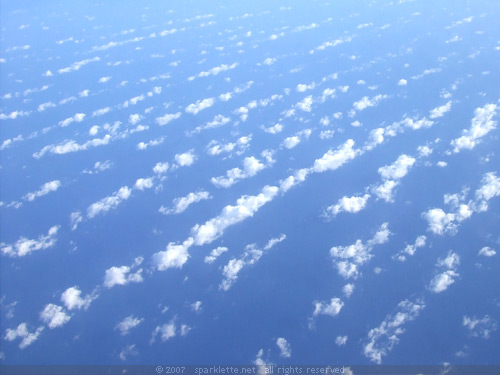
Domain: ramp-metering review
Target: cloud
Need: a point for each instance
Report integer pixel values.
(489, 189)
(330, 44)
(348, 289)
(295, 179)
(275, 129)
(481, 124)
(443, 280)
(246, 206)
(108, 203)
(241, 144)
(24, 246)
(306, 104)
(200, 105)
(22, 332)
(181, 204)
(285, 347)
(196, 306)
(218, 121)
(366, 102)
(161, 168)
(128, 351)
(411, 249)
(402, 82)
(331, 308)
(71, 146)
(341, 340)
(76, 118)
(44, 190)
(101, 111)
(166, 332)
(440, 111)
(127, 324)
(487, 252)
(251, 166)
(71, 298)
(293, 141)
(335, 159)
(348, 204)
(168, 117)
(143, 183)
(215, 253)
(215, 71)
(251, 256)
(123, 275)
(440, 222)
(382, 339)
(480, 327)
(349, 258)
(44, 106)
(398, 169)
(104, 79)
(77, 65)
(54, 316)
(185, 159)
(175, 256)
(151, 143)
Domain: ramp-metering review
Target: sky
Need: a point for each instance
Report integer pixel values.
(249, 182)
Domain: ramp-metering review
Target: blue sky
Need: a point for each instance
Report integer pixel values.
(249, 183)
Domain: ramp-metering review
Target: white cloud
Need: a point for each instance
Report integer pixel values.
(175, 256)
(440, 111)
(196, 306)
(251, 166)
(185, 159)
(22, 332)
(306, 104)
(341, 340)
(77, 65)
(108, 203)
(24, 246)
(269, 61)
(76, 118)
(303, 87)
(215, 253)
(480, 327)
(181, 204)
(348, 204)
(366, 102)
(71, 298)
(143, 183)
(411, 249)
(382, 339)
(127, 324)
(398, 169)
(489, 189)
(161, 168)
(200, 105)
(402, 82)
(128, 351)
(385, 190)
(331, 308)
(481, 124)
(440, 222)
(216, 70)
(275, 129)
(134, 118)
(44, 106)
(348, 289)
(487, 252)
(285, 347)
(54, 316)
(349, 258)
(335, 159)
(123, 275)
(330, 44)
(71, 146)
(291, 181)
(44, 190)
(150, 143)
(246, 206)
(241, 144)
(168, 117)
(166, 332)
(251, 256)
(218, 121)
(104, 79)
(101, 111)
(443, 280)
